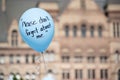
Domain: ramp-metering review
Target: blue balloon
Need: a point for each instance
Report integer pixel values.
(36, 27)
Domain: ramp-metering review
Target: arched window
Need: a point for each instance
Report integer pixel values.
(78, 74)
(49, 56)
(33, 76)
(18, 76)
(11, 76)
(83, 30)
(119, 74)
(1, 76)
(50, 76)
(18, 59)
(33, 58)
(27, 77)
(104, 74)
(27, 58)
(100, 30)
(117, 54)
(11, 57)
(74, 30)
(92, 31)
(116, 29)
(66, 30)
(14, 38)
(65, 58)
(2, 59)
(65, 74)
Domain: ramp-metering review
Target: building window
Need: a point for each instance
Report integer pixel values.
(27, 58)
(52, 56)
(118, 30)
(119, 74)
(11, 76)
(91, 74)
(49, 56)
(14, 38)
(66, 30)
(83, 6)
(18, 59)
(18, 76)
(117, 56)
(1, 76)
(11, 59)
(91, 59)
(2, 59)
(83, 30)
(33, 58)
(103, 59)
(78, 74)
(27, 76)
(92, 31)
(104, 74)
(65, 58)
(78, 59)
(66, 75)
(74, 30)
(114, 29)
(33, 76)
(100, 30)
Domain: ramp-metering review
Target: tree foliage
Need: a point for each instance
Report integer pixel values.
(14, 78)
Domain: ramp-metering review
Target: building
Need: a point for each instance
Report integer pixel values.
(86, 44)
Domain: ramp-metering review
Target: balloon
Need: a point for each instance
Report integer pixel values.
(36, 27)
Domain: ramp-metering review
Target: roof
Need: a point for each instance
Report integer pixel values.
(114, 1)
(14, 8)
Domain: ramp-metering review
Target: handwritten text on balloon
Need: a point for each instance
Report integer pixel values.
(35, 31)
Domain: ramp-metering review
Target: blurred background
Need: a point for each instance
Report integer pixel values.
(86, 44)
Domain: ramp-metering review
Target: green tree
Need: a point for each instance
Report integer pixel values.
(14, 78)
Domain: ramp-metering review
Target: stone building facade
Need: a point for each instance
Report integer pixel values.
(86, 44)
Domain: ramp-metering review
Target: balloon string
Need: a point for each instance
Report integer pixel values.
(45, 64)
(38, 67)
